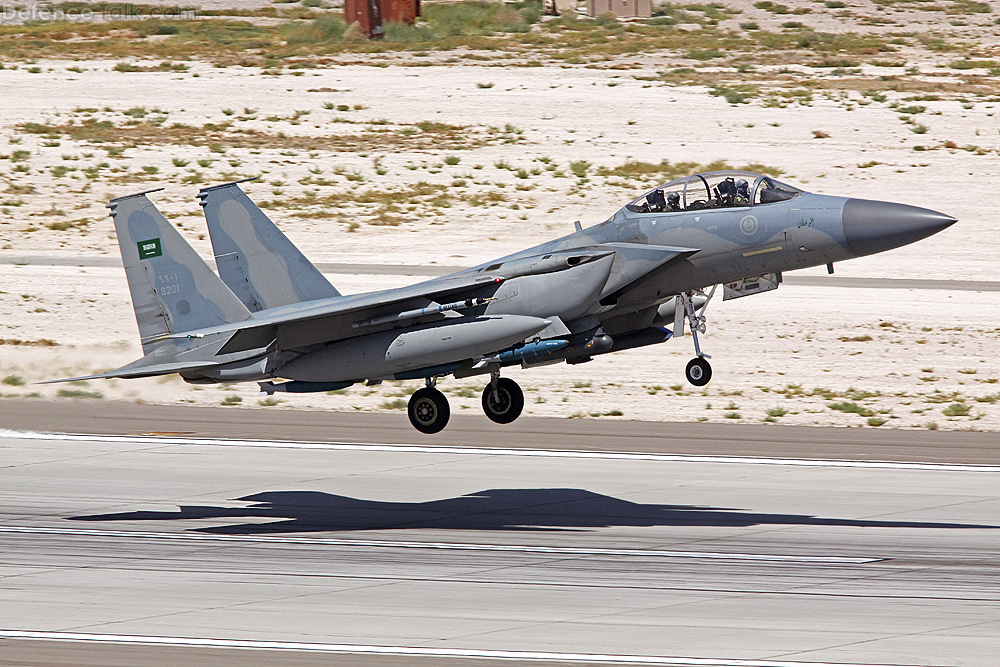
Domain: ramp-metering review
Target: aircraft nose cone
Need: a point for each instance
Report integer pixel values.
(874, 226)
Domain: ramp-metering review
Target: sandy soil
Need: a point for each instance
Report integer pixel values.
(564, 115)
(788, 352)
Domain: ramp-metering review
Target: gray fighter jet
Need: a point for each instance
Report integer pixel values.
(633, 280)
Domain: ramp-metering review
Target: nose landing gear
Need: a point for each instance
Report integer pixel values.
(698, 371)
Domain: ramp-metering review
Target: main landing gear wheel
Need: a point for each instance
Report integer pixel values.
(428, 410)
(503, 402)
(698, 371)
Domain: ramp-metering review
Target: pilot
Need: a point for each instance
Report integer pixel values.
(656, 201)
(673, 201)
(742, 197)
(725, 191)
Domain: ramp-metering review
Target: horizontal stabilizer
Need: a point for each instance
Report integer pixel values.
(135, 370)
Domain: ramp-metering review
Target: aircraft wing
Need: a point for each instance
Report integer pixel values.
(326, 320)
(636, 260)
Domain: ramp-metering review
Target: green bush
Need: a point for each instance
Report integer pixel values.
(78, 393)
(579, 168)
(481, 18)
(404, 33)
(956, 410)
(321, 29)
(852, 408)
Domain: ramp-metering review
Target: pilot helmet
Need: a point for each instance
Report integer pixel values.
(673, 199)
(742, 187)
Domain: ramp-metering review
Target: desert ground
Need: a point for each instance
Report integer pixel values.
(449, 151)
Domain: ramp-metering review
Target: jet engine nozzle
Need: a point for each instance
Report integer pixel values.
(875, 226)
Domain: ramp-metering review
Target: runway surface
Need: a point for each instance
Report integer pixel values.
(298, 549)
(851, 444)
(430, 271)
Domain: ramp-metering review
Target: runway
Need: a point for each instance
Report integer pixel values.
(785, 442)
(735, 546)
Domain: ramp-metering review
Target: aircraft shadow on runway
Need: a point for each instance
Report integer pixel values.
(493, 509)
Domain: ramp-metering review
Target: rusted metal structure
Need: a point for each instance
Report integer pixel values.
(400, 11)
(367, 14)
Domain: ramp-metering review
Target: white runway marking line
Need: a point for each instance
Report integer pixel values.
(446, 546)
(488, 451)
(541, 656)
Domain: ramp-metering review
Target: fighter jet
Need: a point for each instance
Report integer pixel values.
(633, 280)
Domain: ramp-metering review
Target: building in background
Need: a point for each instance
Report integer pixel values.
(621, 8)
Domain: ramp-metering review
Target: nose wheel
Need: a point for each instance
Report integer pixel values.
(503, 400)
(428, 410)
(698, 371)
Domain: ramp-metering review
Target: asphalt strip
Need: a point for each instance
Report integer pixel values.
(486, 451)
(446, 546)
(541, 656)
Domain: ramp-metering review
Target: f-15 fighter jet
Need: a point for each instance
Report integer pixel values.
(634, 280)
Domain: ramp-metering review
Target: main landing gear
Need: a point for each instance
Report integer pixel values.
(429, 412)
(503, 400)
(698, 371)
(428, 409)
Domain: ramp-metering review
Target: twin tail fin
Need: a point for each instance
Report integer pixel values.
(255, 260)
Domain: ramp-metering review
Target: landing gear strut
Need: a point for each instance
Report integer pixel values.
(428, 409)
(698, 371)
(503, 400)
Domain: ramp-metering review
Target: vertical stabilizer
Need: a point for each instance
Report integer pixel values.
(258, 263)
(173, 289)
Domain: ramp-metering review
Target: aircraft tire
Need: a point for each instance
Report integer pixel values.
(509, 403)
(698, 371)
(428, 410)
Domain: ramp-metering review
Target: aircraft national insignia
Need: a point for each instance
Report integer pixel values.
(748, 225)
(150, 248)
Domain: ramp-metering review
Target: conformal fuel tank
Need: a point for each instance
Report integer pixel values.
(384, 354)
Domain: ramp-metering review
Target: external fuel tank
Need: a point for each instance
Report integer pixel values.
(382, 355)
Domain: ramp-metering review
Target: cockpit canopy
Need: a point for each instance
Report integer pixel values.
(711, 190)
